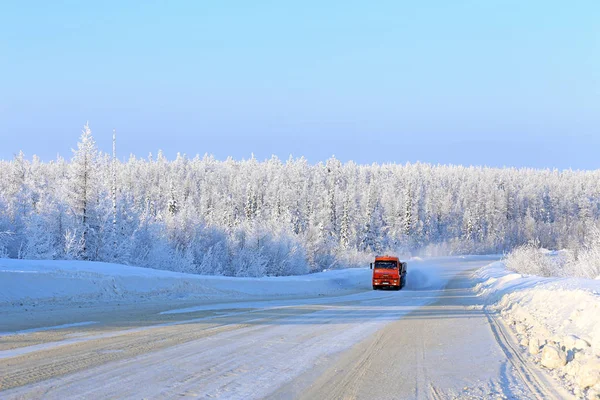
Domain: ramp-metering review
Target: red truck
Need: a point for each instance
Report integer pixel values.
(388, 272)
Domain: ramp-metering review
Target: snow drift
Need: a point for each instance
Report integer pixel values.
(557, 321)
(25, 281)
(53, 281)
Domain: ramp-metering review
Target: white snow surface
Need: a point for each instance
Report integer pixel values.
(35, 281)
(53, 281)
(552, 317)
(48, 328)
(349, 312)
(555, 319)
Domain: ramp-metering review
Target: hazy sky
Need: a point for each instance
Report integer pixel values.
(467, 82)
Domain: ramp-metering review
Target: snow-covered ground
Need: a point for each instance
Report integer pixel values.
(43, 282)
(24, 282)
(47, 295)
(557, 321)
(247, 347)
(279, 330)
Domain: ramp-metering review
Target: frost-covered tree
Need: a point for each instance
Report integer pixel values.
(245, 217)
(83, 179)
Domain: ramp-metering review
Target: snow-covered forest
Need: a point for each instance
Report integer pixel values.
(274, 217)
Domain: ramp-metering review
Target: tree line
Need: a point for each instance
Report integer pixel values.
(275, 217)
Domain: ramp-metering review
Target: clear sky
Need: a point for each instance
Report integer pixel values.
(483, 82)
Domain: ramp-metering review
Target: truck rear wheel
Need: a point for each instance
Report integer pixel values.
(375, 287)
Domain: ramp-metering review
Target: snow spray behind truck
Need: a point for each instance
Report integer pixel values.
(388, 272)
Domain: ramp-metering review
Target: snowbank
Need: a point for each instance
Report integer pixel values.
(557, 321)
(32, 281)
(64, 282)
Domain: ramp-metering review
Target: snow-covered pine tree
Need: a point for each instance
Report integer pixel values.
(83, 179)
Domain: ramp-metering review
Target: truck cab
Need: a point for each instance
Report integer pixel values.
(388, 271)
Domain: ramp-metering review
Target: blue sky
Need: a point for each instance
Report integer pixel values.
(495, 82)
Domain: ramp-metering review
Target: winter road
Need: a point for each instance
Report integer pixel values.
(424, 342)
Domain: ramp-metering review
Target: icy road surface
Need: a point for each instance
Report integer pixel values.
(430, 340)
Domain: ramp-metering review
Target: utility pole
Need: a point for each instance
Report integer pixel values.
(114, 190)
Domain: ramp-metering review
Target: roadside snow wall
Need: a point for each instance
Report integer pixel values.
(557, 321)
(31, 281)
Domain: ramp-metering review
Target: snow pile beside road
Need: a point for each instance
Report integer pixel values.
(557, 321)
(32, 282)
(37, 281)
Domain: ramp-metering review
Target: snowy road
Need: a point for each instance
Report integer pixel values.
(422, 342)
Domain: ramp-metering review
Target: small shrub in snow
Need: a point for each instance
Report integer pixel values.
(249, 262)
(529, 260)
(587, 264)
(4, 239)
(580, 261)
(214, 261)
(354, 259)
